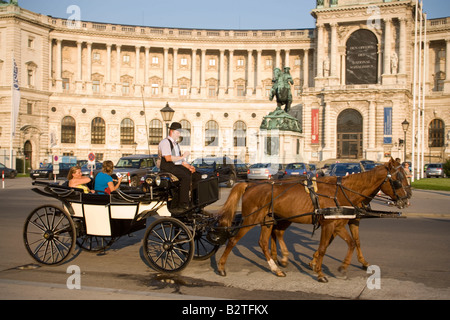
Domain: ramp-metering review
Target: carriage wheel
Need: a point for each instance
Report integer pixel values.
(204, 249)
(168, 245)
(49, 235)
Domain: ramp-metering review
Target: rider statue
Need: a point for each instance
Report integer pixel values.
(281, 88)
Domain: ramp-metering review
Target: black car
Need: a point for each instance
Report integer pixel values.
(241, 169)
(343, 169)
(46, 171)
(135, 167)
(222, 167)
(9, 173)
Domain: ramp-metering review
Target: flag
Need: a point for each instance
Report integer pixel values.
(15, 104)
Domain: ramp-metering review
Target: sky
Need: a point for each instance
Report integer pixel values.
(202, 14)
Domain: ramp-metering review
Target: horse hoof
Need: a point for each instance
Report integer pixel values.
(222, 273)
(280, 274)
(284, 264)
(322, 279)
(342, 273)
(365, 267)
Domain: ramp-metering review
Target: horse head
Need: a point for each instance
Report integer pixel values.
(396, 184)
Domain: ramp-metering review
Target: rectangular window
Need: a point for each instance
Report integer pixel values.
(66, 84)
(155, 89)
(212, 62)
(240, 62)
(96, 86)
(183, 90)
(184, 62)
(240, 91)
(211, 91)
(126, 88)
(155, 60)
(126, 58)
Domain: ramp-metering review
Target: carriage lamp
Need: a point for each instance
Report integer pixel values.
(405, 126)
(167, 114)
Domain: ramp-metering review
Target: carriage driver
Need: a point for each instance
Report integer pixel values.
(174, 162)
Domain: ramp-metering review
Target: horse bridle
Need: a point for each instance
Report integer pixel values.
(396, 184)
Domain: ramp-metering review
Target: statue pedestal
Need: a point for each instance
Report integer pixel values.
(280, 139)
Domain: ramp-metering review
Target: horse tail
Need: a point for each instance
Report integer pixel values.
(228, 210)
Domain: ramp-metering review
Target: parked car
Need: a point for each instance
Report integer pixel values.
(343, 169)
(435, 170)
(298, 169)
(136, 167)
(326, 169)
(46, 171)
(222, 167)
(371, 165)
(261, 171)
(9, 173)
(367, 164)
(241, 170)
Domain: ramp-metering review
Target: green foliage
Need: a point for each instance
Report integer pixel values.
(447, 168)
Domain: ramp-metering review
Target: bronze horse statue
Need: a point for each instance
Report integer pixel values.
(291, 202)
(281, 89)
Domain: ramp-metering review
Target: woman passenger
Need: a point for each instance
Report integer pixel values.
(104, 182)
(76, 179)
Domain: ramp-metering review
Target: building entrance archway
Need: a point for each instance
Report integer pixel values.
(349, 135)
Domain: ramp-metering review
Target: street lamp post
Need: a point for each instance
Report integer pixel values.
(167, 114)
(405, 126)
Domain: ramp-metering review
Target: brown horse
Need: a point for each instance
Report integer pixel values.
(290, 202)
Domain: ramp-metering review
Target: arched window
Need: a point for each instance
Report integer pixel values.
(127, 131)
(436, 133)
(240, 134)
(98, 131)
(349, 135)
(211, 134)
(185, 139)
(155, 132)
(68, 129)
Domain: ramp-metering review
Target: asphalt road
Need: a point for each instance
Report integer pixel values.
(411, 256)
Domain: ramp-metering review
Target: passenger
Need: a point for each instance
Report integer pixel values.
(76, 179)
(104, 183)
(174, 162)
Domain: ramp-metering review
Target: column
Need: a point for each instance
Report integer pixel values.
(334, 51)
(108, 68)
(372, 124)
(319, 49)
(222, 84)
(137, 67)
(89, 62)
(174, 71)
(250, 73)
(147, 65)
(230, 74)
(277, 59)
(118, 71)
(387, 46)
(166, 71)
(89, 68)
(58, 74)
(402, 58)
(258, 85)
(447, 66)
(194, 81)
(287, 58)
(79, 79)
(203, 74)
(306, 68)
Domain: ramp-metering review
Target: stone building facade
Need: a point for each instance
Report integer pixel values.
(99, 87)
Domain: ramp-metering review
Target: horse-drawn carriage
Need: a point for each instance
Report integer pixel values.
(94, 221)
